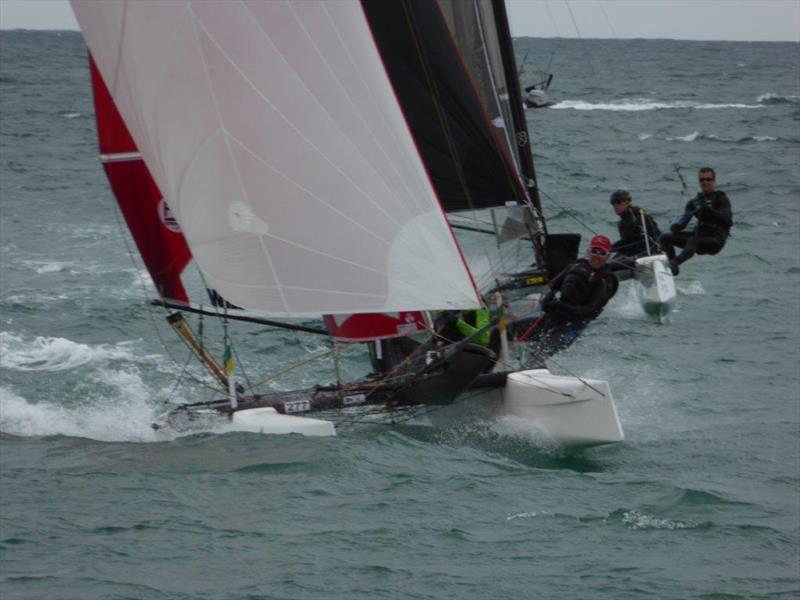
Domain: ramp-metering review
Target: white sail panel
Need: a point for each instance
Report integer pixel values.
(276, 138)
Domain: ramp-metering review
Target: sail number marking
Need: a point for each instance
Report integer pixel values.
(354, 399)
(296, 406)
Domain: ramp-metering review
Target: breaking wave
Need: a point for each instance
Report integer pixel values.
(686, 138)
(641, 104)
(124, 418)
(771, 98)
(635, 520)
(696, 135)
(55, 354)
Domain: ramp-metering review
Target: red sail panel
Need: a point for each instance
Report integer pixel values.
(366, 327)
(156, 233)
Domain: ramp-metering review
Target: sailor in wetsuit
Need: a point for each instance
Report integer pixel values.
(632, 241)
(714, 221)
(585, 287)
(453, 326)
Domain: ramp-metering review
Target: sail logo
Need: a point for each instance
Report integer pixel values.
(167, 218)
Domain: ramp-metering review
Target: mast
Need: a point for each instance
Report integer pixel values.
(515, 100)
(519, 123)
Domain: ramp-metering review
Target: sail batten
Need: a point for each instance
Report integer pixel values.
(120, 157)
(293, 199)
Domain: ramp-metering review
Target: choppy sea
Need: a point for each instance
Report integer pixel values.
(702, 500)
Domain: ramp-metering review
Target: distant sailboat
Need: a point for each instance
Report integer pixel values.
(301, 154)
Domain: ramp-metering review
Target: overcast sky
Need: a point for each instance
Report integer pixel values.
(748, 20)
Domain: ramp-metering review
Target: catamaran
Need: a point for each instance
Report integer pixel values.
(316, 160)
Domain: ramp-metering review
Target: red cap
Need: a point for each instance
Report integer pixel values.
(601, 242)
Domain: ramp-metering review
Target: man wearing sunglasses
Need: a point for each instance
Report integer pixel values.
(576, 297)
(712, 209)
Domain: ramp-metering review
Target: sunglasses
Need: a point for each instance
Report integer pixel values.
(619, 201)
(598, 252)
(705, 179)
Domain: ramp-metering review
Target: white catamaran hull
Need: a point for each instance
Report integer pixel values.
(657, 286)
(263, 419)
(566, 411)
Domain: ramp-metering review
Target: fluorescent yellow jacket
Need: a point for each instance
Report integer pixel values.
(482, 319)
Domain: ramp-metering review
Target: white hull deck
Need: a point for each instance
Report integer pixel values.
(563, 410)
(656, 288)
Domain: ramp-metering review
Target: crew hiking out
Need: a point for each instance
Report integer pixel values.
(712, 209)
(576, 297)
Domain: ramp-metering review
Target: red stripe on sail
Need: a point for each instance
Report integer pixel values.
(160, 242)
(366, 327)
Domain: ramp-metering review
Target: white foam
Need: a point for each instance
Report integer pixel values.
(773, 97)
(764, 138)
(686, 138)
(642, 104)
(123, 418)
(522, 515)
(636, 520)
(53, 267)
(691, 288)
(626, 302)
(645, 136)
(33, 298)
(622, 106)
(55, 354)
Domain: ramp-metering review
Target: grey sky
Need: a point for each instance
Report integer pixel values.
(750, 20)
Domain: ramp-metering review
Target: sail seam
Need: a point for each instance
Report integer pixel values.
(197, 24)
(290, 123)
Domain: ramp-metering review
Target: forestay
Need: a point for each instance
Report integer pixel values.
(277, 141)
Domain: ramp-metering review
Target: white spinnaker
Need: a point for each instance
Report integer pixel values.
(274, 134)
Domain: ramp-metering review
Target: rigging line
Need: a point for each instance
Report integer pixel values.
(684, 187)
(552, 19)
(297, 365)
(558, 33)
(587, 54)
(541, 357)
(178, 378)
(143, 284)
(242, 369)
(605, 14)
(569, 213)
(573, 374)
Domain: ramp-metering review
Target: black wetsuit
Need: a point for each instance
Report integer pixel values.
(584, 294)
(631, 237)
(714, 222)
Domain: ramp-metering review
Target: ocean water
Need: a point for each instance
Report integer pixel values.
(702, 500)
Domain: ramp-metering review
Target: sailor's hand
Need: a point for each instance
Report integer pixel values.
(551, 305)
(675, 228)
